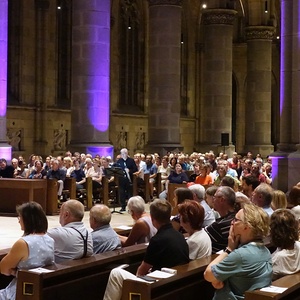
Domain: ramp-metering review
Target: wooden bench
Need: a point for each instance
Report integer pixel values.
(171, 188)
(146, 188)
(77, 279)
(14, 192)
(188, 283)
(292, 282)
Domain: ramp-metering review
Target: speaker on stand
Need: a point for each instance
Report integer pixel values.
(224, 140)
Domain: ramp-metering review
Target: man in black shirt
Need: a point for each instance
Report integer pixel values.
(167, 248)
(125, 183)
(6, 171)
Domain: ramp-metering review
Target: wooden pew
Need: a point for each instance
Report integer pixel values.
(292, 282)
(77, 279)
(188, 283)
(146, 189)
(157, 184)
(14, 192)
(4, 280)
(70, 186)
(171, 188)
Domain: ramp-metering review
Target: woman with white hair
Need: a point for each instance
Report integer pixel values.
(143, 229)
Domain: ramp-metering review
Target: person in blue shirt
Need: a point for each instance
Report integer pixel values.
(245, 264)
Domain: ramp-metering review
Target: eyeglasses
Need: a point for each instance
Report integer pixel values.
(235, 219)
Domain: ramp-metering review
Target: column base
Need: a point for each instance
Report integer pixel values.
(93, 148)
(281, 164)
(5, 151)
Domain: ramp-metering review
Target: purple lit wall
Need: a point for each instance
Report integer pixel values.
(5, 149)
(101, 150)
(3, 57)
(91, 76)
(282, 55)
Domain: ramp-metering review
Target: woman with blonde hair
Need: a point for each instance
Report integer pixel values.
(245, 264)
(279, 200)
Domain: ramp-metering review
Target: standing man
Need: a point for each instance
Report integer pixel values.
(125, 183)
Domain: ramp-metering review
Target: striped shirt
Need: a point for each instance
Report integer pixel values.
(219, 231)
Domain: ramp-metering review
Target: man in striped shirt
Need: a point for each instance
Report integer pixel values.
(224, 204)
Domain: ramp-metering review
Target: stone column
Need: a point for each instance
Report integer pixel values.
(286, 160)
(259, 87)
(41, 15)
(91, 77)
(216, 104)
(5, 148)
(164, 75)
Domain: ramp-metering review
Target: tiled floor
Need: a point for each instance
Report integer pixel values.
(10, 229)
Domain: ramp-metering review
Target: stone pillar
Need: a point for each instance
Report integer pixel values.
(286, 160)
(216, 104)
(164, 75)
(259, 87)
(41, 15)
(91, 77)
(5, 148)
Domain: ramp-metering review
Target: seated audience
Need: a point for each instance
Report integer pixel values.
(284, 236)
(104, 237)
(180, 195)
(167, 248)
(262, 197)
(279, 200)
(199, 193)
(178, 176)
(246, 263)
(209, 198)
(191, 219)
(58, 174)
(34, 249)
(204, 177)
(72, 240)
(225, 205)
(6, 171)
(294, 201)
(21, 171)
(249, 184)
(143, 229)
(38, 172)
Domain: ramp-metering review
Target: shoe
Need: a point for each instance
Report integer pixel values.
(122, 209)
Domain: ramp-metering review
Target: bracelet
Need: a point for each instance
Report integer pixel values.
(227, 251)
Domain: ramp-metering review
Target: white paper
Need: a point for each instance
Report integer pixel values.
(273, 289)
(159, 274)
(40, 270)
(124, 227)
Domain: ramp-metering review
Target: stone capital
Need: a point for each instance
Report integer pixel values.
(219, 16)
(260, 32)
(165, 2)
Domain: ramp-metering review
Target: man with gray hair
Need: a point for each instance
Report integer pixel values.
(199, 192)
(104, 237)
(224, 202)
(125, 182)
(72, 240)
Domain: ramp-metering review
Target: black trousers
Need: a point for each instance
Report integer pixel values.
(125, 191)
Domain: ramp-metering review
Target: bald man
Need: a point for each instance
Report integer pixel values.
(72, 240)
(104, 237)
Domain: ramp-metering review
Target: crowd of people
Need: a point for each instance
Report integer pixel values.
(228, 206)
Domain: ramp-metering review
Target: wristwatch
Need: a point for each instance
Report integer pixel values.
(227, 250)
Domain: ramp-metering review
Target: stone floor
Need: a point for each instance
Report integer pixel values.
(10, 229)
